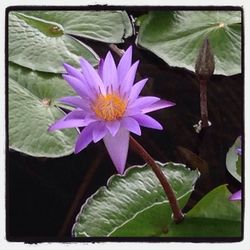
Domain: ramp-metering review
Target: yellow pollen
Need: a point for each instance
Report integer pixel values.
(109, 107)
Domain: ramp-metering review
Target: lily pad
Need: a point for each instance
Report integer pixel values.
(103, 26)
(134, 204)
(32, 109)
(43, 41)
(44, 46)
(176, 36)
(213, 216)
(233, 160)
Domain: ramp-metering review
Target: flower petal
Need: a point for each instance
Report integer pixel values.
(147, 121)
(136, 89)
(85, 137)
(124, 64)
(109, 73)
(62, 124)
(131, 124)
(158, 105)
(143, 102)
(113, 126)
(117, 147)
(74, 72)
(236, 196)
(128, 80)
(75, 115)
(100, 67)
(92, 76)
(75, 101)
(99, 132)
(77, 85)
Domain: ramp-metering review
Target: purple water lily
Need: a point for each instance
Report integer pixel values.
(108, 105)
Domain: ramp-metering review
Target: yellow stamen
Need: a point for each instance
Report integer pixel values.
(109, 107)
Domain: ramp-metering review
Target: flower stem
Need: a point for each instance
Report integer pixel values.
(203, 103)
(178, 216)
(118, 51)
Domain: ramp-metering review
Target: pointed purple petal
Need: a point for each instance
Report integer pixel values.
(74, 72)
(124, 64)
(62, 124)
(117, 147)
(75, 115)
(136, 89)
(85, 137)
(158, 105)
(109, 74)
(77, 85)
(131, 124)
(100, 67)
(99, 132)
(113, 127)
(75, 101)
(236, 196)
(147, 121)
(92, 76)
(143, 102)
(128, 80)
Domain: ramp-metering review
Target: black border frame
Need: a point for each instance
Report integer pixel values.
(120, 239)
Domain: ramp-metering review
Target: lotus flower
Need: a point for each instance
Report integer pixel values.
(108, 105)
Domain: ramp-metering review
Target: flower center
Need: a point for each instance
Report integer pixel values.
(109, 107)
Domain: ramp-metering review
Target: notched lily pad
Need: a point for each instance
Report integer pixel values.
(213, 216)
(43, 41)
(134, 204)
(32, 109)
(43, 45)
(176, 36)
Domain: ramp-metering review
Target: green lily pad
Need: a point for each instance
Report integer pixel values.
(43, 41)
(233, 160)
(213, 216)
(134, 204)
(32, 109)
(104, 26)
(176, 36)
(44, 46)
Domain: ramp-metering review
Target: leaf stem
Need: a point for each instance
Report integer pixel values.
(203, 103)
(118, 51)
(178, 216)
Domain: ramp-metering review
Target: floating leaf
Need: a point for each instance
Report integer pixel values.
(42, 40)
(213, 216)
(44, 46)
(134, 204)
(233, 160)
(32, 109)
(176, 36)
(104, 26)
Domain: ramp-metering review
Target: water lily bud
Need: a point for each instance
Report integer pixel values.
(204, 66)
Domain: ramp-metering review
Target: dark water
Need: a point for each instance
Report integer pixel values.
(40, 191)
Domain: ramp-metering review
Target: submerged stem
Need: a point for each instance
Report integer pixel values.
(178, 216)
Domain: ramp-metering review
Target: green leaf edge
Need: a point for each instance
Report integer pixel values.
(124, 175)
(233, 168)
